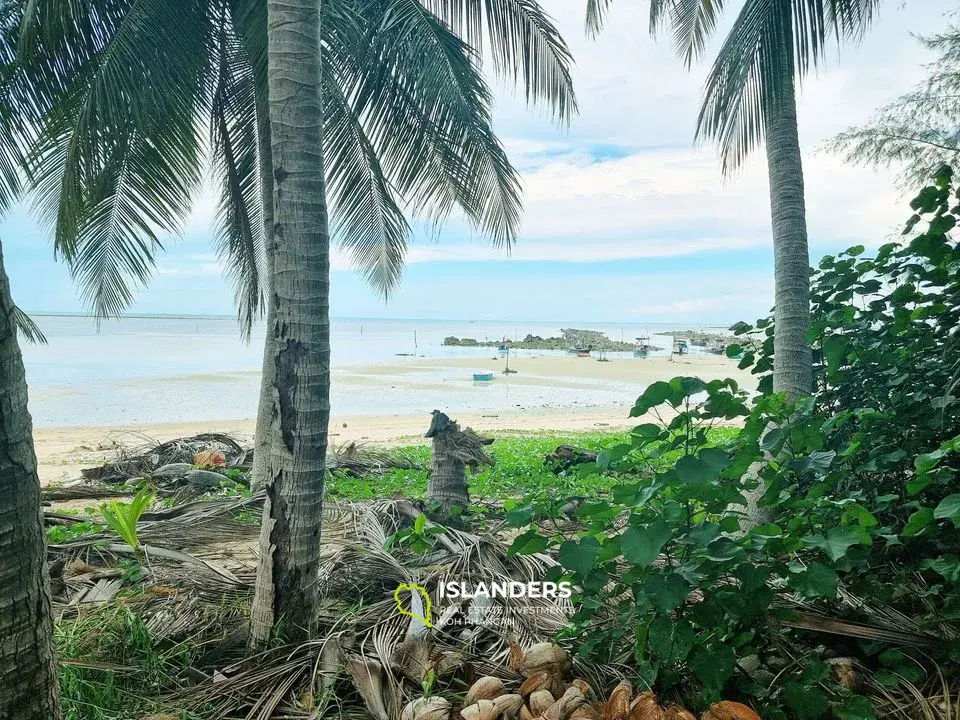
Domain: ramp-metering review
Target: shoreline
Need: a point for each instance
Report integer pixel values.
(63, 451)
(549, 393)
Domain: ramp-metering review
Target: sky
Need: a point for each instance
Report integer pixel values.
(625, 219)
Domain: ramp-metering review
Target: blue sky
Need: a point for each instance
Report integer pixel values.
(625, 220)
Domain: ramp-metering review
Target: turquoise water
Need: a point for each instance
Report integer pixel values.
(169, 369)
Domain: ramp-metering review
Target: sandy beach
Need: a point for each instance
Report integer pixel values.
(63, 451)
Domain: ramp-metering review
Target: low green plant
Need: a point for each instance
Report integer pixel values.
(68, 533)
(421, 537)
(123, 517)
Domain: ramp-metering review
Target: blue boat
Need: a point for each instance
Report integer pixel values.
(483, 376)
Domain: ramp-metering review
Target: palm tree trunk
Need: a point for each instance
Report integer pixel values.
(285, 598)
(454, 450)
(792, 363)
(263, 438)
(792, 359)
(28, 670)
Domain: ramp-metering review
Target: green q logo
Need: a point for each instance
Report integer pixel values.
(419, 602)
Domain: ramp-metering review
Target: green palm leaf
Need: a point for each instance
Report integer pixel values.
(234, 158)
(769, 40)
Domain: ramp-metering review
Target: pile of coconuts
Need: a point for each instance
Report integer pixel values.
(547, 693)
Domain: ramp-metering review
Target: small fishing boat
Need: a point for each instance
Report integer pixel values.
(641, 348)
(483, 376)
(680, 347)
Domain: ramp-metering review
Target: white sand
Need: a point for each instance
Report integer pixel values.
(63, 451)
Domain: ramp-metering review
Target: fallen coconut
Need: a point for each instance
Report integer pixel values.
(538, 681)
(646, 707)
(729, 710)
(431, 708)
(486, 688)
(539, 701)
(618, 704)
(508, 705)
(586, 712)
(584, 687)
(675, 712)
(563, 708)
(545, 656)
(480, 710)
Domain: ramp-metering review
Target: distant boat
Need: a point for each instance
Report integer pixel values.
(642, 346)
(483, 376)
(679, 346)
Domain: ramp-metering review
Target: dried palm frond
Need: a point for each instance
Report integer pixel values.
(938, 699)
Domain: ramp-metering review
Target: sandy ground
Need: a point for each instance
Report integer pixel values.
(63, 451)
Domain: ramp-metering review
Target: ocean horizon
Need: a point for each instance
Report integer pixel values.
(172, 368)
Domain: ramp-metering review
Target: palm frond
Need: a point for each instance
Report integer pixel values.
(426, 111)
(118, 159)
(234, 140)
(770, 40)
(692, 23)
(597, 15)
(524, 43)
(366, 218)
(28, 328)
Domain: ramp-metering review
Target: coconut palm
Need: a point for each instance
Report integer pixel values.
(406, 121)
(750, 99)
(28, 671)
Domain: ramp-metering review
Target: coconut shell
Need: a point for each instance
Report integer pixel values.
(508, 705)
(545, 656)
(537, 681)
(539, 701)
(525, 713)
(675, 712)
(584, 687)
(515, 659)
(586, 712)
(729, 710)
(618, 704)
(646, 707)
(486, 688)
(431, 708)
(564, 707)
(480, 710)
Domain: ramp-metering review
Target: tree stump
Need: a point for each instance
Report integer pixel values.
(454, 450)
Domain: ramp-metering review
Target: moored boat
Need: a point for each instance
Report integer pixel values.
(483, 376)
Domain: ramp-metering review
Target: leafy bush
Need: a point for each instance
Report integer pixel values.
(859, 481)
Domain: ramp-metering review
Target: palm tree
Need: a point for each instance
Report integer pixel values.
(28, 670)
(404, 114)
(750, 98)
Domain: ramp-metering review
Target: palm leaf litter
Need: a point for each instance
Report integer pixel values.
(190, 581)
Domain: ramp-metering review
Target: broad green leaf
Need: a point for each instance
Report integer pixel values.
(666, 591)
(528, 543)
(949, 508)
(691, 469)
(816, 581)
(579, 556)
(806, 701)
(836, 542)
(713, 667)
(928, 461)
(917, 522)
(704, 533)
(641, 546)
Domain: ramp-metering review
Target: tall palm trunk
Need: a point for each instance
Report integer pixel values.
(792, 364)
(263, 437)
(285, 598)
(792, 359)
(28, 670)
